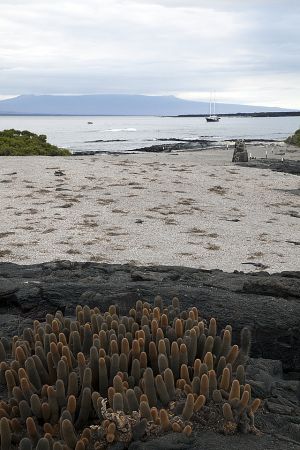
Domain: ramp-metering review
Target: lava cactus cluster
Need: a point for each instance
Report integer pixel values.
(88, 382)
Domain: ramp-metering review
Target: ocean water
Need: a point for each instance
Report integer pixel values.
(126, 133)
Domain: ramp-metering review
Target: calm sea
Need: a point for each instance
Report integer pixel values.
(119, 133)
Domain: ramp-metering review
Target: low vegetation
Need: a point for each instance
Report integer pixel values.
(103, 378)
(24, 143)
(294, 139)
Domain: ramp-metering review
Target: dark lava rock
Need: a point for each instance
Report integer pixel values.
(137, 275)
(238, 298)
(117, 446)
(7, 288)
(276, 165)
(139, 430)
(262, 374)
(175, 441)
(205, 440)
(276, 287)
(279, 409)
(11, 320)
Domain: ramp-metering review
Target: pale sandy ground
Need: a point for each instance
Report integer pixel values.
(197, 209)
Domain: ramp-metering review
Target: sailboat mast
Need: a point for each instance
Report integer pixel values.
(214, 110)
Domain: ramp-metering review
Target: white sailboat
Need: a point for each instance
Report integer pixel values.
(212, 111)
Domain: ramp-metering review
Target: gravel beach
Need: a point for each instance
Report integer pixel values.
(155, 211)
(194, 209)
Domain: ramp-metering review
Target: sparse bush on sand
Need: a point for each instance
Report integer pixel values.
(294, 139)
(24, 143)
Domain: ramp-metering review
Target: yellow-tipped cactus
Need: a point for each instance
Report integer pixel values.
(150, 365)
(204, 386)
(43, 444)
(225, 380)
(199, 403)
(255, 405)
(111, 430)
(176, 427)
(187, 430)
(162, 390)
(164, 420)
(68, 434)
(188, 407)
(5, 434)
(31, 429)
(227, 412)
(118, 404)
(145, 410)
(149, 386)
(235, 390)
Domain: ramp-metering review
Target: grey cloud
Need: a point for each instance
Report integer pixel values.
(244, 5)
(151, 46)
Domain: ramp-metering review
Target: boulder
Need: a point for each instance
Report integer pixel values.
(7, 288)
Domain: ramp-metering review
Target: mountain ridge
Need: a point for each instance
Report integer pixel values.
(119, 104)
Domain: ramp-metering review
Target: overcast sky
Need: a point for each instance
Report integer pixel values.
(246, 51)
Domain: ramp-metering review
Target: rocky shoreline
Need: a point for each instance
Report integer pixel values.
(170, 144)
(268, 304)
(276, 165)
(177, 144)
(174, 144)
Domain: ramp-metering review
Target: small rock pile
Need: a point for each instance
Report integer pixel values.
(240, 153)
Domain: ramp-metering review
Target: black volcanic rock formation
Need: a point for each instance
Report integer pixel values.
(268, 304)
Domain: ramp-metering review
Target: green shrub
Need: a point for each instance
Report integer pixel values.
(294, 139)
(24, 143)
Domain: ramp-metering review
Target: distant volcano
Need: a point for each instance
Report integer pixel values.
(118, 105)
